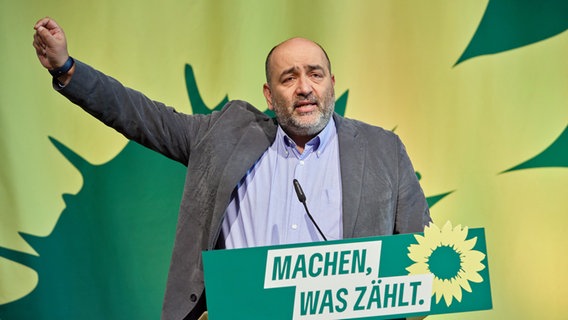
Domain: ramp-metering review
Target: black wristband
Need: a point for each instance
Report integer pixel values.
(56, 73)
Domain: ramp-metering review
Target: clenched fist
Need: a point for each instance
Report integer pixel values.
(50, 44)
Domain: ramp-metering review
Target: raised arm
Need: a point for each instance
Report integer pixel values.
(128, 111)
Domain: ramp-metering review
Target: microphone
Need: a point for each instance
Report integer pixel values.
(302, 197)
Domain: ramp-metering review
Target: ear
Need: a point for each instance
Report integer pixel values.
(333, 79)
(268, 96)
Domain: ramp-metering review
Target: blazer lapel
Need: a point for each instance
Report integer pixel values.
(352, 163)
(253, 141)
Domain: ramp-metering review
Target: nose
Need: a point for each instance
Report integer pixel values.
(304, 87)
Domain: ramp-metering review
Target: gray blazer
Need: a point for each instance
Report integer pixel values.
(381, 194)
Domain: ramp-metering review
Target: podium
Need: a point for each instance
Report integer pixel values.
(442, 270)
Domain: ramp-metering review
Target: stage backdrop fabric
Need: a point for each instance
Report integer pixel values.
(477, 90)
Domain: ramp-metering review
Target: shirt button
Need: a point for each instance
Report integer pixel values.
(294, 226)
(301, 162)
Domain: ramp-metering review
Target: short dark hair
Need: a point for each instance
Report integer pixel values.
(267, 62)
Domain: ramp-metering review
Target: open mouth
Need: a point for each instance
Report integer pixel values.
(305, 106)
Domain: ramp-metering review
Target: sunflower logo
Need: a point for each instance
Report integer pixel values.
(449, 256)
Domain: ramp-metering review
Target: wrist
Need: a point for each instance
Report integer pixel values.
(64, 69)
(64, 79)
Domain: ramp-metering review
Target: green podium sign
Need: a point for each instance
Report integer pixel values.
(439, 271)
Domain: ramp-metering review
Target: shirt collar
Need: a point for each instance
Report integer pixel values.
(286, 146)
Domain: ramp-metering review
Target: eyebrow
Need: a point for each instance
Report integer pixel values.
(310, 67)
(288, 71)
(313, 67)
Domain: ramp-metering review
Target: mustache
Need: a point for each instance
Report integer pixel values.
(306, 101)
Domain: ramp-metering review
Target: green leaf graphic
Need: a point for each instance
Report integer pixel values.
(197, 104)
(108, 255)
(510, 24)
(556, 155)
(432, 200)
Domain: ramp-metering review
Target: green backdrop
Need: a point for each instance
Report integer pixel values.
(476, 89)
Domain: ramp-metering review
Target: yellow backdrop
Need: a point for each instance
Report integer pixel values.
(463, 124)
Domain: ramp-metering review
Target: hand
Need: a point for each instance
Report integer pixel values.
(50, 44)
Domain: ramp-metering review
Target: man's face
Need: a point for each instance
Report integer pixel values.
(300, 91)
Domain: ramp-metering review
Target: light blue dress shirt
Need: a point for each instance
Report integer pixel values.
(264, 208)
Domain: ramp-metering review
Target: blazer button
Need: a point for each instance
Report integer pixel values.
(193, 297)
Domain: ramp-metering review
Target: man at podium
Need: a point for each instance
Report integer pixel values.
(241, 164)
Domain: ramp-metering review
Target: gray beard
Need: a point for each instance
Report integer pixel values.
(292, 126)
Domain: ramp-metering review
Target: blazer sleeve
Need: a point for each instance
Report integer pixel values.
(412, 212)
(148, 122)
